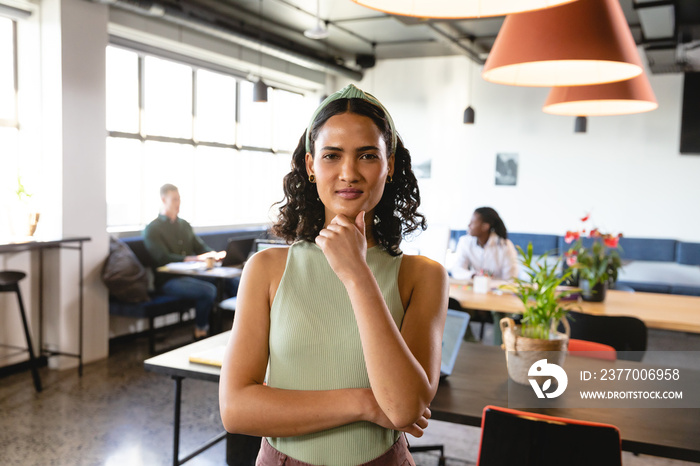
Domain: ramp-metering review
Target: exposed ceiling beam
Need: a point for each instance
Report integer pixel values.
(238, 35)
(448, 34)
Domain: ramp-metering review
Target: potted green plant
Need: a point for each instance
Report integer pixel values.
(25, 217)
(544, 306)
(595, 263)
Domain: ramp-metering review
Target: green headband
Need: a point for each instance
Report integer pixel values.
(351, 92)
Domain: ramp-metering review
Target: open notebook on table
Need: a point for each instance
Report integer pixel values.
(212, 356)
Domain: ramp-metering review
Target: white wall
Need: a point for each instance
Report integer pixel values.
(627, 170)
(74, 37)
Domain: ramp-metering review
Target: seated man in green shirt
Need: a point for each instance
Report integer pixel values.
(169, 238)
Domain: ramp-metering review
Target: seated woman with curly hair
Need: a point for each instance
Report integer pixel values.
(335, 349)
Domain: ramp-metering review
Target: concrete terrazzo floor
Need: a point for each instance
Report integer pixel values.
(118, 414)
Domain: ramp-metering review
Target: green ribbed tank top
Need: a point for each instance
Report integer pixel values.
(315, 345)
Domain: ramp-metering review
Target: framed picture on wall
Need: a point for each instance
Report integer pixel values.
(506, 169)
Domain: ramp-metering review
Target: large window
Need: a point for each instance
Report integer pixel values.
(170, 122)
(9, 126)
(20, 141)
(122, 90)
(8, 106)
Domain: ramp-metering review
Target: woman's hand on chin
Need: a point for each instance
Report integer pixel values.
(344, 243)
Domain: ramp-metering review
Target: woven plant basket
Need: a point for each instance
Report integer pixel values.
(523, 352)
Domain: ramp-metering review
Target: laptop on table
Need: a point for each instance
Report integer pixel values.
(455, 328)
(237, 252)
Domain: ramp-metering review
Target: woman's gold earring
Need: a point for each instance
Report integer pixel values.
(312, 178)
(389, 179)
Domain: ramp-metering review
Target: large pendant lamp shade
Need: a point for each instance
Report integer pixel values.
(453, 9)
(621, 98)
(580, 43)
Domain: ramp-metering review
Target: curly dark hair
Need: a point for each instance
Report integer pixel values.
(302, 213)
(490, 216)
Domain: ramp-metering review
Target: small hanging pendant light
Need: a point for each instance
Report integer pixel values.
(320, 31)
(469, 116)
(581, 124)
(260, 91)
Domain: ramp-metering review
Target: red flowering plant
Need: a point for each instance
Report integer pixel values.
(594, 256)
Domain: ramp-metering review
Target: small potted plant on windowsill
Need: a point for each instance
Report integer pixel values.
(25, 217)
(595, 264)
(545, 305)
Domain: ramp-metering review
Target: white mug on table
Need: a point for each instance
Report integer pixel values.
(482, 284)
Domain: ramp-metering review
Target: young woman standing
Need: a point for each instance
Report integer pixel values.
(335, 349)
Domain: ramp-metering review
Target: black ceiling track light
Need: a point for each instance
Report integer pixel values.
(260, 88)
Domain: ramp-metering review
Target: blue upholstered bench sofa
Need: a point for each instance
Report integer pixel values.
(652, 265)
(159, 304)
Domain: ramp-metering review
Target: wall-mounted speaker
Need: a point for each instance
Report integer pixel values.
(366, 61)
(690, 117)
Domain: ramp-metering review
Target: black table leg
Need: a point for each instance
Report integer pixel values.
(176, 426)
(216, 324)
(176, 429)
(80, 313)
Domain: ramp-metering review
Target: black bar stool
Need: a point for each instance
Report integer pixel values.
(9, 282)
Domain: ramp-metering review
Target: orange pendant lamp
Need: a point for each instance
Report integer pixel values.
(580, 43)
(621, 98)
(453, 9)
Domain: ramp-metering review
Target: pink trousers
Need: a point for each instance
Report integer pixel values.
(397, 455)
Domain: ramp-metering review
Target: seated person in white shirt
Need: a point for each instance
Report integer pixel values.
(487, 249)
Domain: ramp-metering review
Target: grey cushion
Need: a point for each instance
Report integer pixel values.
(124, 275)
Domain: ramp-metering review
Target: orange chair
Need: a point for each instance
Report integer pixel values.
(518, 438)
(591, 349)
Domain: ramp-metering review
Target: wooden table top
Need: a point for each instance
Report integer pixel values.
(656, 310)
(480, 378)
